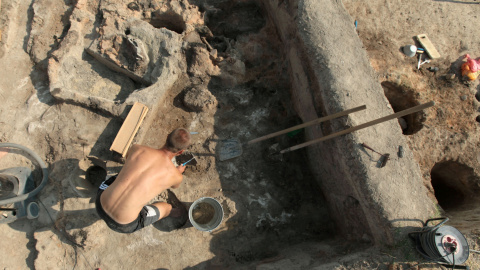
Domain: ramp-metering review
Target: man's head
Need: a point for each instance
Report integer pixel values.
(178, 140)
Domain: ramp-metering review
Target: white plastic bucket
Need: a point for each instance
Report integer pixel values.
(214, 217)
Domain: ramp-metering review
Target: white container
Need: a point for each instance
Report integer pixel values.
(410, 50)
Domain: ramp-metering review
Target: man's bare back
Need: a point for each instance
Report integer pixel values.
(147, 172)
(122, 199)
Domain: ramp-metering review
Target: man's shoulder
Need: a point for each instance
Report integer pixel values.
(142, 148)
(141, 151)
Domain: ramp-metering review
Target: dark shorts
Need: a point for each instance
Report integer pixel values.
(148, 215)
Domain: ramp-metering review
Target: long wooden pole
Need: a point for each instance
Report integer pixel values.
(310, 123)
(362, 126)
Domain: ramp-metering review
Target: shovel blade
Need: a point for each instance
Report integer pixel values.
(229, 149)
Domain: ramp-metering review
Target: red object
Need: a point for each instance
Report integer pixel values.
(473, 64)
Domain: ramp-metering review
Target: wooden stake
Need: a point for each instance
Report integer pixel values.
(362, 126)
(310, 123)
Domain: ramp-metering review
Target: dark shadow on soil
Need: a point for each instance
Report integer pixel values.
(32, 256)
(278, 202)
(277, 199)
(30, 14)
(280, 205)
(456, 68)
(101, 147)
(39, 78)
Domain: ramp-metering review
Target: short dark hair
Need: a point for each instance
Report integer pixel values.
(178, 140)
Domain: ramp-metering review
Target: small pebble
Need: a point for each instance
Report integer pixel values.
(401, 151)
(450, 76)
(463, 98)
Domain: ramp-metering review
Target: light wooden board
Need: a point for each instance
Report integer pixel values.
(428, 46)
(129, 128)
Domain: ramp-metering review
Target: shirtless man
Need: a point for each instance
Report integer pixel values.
(122, 199)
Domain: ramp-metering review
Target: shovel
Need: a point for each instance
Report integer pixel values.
(232, 148)
(362, 126)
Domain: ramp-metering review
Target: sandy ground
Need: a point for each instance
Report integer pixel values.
(267, 205)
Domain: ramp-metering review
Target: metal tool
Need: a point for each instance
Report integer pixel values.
(401, 151)
(383, 157)
(185, 163)
(420, 61)
(232, 148)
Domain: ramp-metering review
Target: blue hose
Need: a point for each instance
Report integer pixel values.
(40, 162)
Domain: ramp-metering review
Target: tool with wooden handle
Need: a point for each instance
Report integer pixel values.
(362, 126)
(232, 148)
(310, 123)
(383, 157)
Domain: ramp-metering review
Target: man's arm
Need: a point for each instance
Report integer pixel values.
(181, 169)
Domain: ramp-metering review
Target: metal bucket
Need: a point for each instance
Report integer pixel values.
(211, 217)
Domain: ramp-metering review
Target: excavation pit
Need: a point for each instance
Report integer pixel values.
(402, 98)
(454, 185)
(168, 20)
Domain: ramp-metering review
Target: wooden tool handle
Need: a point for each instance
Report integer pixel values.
(365, 125)
(310, 123)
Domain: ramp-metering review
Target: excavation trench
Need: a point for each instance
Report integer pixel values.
(261, 70)
(270, 201)
(265, 66)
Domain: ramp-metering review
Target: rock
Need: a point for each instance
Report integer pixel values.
(450, 76)
(214, 54)
(133, 6)
(232, 71)
(201, 64)
(463, 98)
(142, 53)
(199, 99)
(44, 30)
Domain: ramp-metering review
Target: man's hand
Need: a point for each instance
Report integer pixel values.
(181, 168)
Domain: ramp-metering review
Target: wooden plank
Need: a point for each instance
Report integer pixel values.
(365, 125)
(428, 46)
(310, 123)
(129, 128)
(144, 112)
